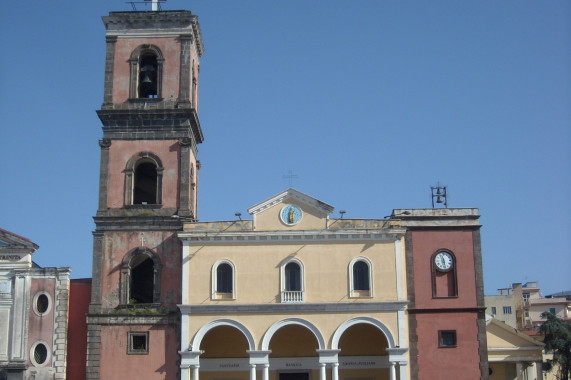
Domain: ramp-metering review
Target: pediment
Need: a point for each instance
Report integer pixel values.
(11, 241)
(15, 250)
(290, 210)
(500, 335)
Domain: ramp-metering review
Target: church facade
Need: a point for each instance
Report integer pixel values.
(33, 313)
(291, 294)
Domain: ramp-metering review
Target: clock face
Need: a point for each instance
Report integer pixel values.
(443, 261)
(290, 215)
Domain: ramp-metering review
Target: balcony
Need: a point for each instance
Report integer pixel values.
(293, 296)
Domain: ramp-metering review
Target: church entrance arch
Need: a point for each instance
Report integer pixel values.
(363, 345)
(294, 344)
(224, 345)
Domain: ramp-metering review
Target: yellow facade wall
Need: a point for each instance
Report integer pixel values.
(326, 271)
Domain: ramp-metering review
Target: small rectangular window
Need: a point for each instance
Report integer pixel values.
(493, 310)
(138, 343)
(507, 309)
(552, 310)
(447, 338)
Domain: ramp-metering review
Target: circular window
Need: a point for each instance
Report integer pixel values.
(42, 303)
(39, 354)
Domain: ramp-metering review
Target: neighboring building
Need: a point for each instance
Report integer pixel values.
(296, 295)
(33, 313)
(558, 306)
(148, 175)
(502, 307)
(292, 293)
(512, 354)
(522, 305)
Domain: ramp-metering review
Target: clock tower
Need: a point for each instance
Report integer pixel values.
(445, 287)
(147, 187)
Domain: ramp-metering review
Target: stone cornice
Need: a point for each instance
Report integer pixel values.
(142, 319)
(128, 124)
(266, 237)
(136, 223)
(155, 24)
(294, 307)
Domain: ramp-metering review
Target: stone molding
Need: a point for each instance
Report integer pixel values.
(163, 23)
(141, 319)
(264, 237)
(294, 308)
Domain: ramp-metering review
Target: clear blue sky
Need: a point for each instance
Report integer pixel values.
(369, 102)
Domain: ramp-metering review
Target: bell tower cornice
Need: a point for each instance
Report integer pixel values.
(154, 124)
(154, 24)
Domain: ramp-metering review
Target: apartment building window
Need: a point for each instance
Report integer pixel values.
(526, 297)
(494, 312)
(552, 310)
(507, 309)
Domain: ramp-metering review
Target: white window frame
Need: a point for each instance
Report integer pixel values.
(33, 349)
(351, 282)
(35, 301)
(283, 291)
(214, 276)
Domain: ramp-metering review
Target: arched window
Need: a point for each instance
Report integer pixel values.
(148, 76)
(292, 287)
(444, 282)
(360, 277)
(143, 180)
(146, 72)
(145, 183)
(292, 277)
(223, 280)
(140, 277)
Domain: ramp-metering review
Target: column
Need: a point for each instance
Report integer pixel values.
(252, 372)
(539, 370)
(393, 374)
(519, 370)
(266, 372)
(322, 373)
(195, 371)
(184, 374)
(335, 371)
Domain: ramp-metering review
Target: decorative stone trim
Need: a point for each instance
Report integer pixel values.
(294, 308)
(290, 236)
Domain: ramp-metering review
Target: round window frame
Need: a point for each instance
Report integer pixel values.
(33, 350)
(35, 303)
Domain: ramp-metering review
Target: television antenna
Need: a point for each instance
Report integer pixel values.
(155, 4)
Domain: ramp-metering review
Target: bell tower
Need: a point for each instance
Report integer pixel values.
(147, 187)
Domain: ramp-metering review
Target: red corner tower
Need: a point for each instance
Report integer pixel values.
(446, 321)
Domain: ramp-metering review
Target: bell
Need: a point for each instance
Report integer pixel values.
(439, 199)
(438, 190)
(146, 79)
